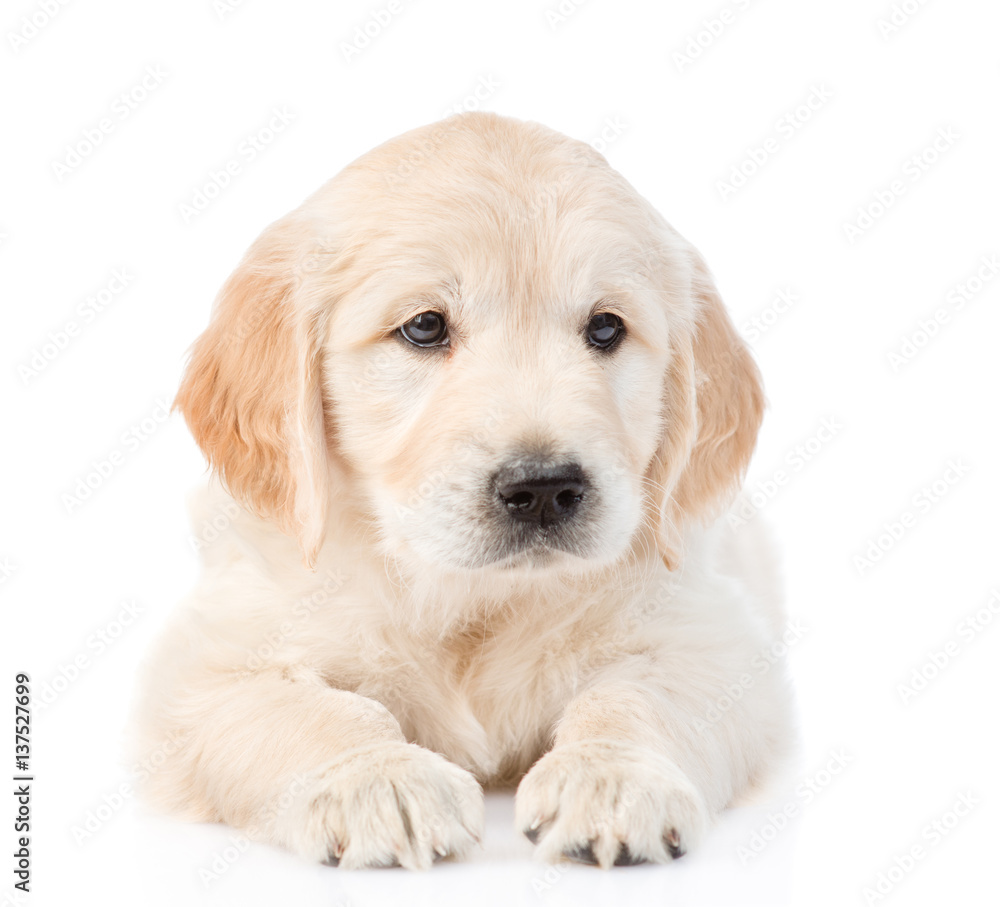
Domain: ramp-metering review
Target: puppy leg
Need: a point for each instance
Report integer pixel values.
(641, 762)
(324, 772)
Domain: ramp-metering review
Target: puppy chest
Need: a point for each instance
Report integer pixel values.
(488, 702)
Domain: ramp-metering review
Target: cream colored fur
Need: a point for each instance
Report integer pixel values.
(364, 650)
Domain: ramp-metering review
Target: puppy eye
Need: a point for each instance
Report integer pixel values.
(604, 330)
(426, 329)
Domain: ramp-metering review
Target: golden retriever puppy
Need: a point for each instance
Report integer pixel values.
(475, 410)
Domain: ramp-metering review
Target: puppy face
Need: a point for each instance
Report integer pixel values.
(499, 394)
(481, 327)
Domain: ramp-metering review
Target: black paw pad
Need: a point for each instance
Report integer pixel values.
(626, 857)
(582, 854)
(672, 841)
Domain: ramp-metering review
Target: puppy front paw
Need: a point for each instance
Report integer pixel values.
(607, 803)
(395, 804)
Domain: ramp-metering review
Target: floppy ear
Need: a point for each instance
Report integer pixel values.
(252, 393)
(713, 406)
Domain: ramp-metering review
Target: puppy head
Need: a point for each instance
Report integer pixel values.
(502, 349)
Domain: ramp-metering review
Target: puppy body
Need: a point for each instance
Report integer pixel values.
(349, 707)
(245, 677)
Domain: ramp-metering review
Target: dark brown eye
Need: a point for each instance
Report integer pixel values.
(604, 330)
(426, 329)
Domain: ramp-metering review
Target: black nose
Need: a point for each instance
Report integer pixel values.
(541, 494)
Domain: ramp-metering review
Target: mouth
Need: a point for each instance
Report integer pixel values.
(546, 547)
(527, 562)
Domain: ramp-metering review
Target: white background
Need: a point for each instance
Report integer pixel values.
(68, 568)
